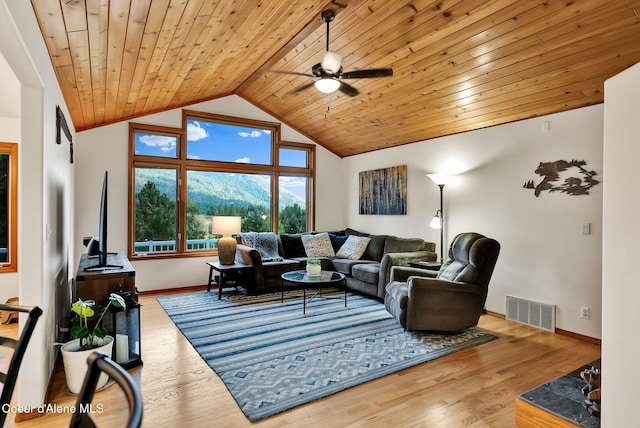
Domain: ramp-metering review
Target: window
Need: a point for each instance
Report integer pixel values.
(8, 207)
(215, 165)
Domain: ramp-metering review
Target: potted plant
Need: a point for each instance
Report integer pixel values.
(313, 267)
(88, 335)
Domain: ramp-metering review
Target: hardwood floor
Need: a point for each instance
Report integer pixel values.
(472, 388)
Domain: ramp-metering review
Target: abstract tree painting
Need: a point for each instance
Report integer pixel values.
(384, 191)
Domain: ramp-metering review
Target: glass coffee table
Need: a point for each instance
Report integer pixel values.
(326, 278)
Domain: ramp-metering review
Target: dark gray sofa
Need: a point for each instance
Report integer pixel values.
(369, 274)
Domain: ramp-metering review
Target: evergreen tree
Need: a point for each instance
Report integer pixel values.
(155, 215)
(293, 219)
(196, 227)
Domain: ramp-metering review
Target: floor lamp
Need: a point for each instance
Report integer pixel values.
(438, 220)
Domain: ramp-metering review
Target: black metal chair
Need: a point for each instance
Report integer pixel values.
(19, 347)
(99, 363)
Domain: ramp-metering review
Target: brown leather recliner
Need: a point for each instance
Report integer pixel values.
(451, 299)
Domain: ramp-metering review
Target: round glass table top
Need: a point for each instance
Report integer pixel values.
(301, 276)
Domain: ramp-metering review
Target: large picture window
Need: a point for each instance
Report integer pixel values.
(214, 166)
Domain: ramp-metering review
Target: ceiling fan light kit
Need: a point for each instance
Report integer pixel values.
(327, 85)
(329, 73)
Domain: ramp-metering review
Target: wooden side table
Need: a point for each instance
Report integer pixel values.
(237, 270)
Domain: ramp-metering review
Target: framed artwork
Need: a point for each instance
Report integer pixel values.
(63, 128)
(383, 191)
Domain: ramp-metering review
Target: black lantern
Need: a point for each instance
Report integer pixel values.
(124, 325)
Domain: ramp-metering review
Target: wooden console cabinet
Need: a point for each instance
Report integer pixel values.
(97, 285)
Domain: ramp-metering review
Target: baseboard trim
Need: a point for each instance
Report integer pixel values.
(559, 331)
(27, 416)
(176, 290)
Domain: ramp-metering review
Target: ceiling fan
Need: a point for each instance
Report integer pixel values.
(329, 72)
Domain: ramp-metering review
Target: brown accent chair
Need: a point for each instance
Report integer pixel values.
(451, 299)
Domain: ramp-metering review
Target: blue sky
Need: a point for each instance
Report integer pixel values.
(220, 142)
(226, 143)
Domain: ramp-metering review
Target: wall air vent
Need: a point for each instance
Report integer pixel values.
(535, 314)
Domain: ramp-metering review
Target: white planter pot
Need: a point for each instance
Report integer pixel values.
(75, 363)
(313, 270)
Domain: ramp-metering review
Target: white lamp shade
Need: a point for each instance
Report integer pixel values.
(327, 85)
(440, 178)
(436, 222)
(225, 225)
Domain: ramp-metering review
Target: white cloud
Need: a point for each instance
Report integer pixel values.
(195, 131)
(252, 134)
(165, 143)
(243, 160)
(293, 182)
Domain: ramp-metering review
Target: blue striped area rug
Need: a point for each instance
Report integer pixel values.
(272, 358)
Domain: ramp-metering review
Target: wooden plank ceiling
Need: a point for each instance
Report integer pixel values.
(458, 65)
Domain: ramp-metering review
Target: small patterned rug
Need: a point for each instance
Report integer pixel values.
(272, 358)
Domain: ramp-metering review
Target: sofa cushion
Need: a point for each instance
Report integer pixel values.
(266, 243)
(348, 231)
(393, 244)
(345, 265)
(318, 245)
(375, 249)
(353, 248)
(366, 272)
(337, 241)
(292, 245)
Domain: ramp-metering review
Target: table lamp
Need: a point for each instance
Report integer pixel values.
(226, 226)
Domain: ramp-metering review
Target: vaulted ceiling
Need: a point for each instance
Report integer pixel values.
(458, 65)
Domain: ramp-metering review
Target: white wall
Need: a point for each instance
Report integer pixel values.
(620, 291)
(106, 148)
(544, 256)
(44, 199)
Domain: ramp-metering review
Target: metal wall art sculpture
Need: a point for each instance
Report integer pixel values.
(571, 178)
(384, 191)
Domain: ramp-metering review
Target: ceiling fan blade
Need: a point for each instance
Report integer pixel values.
(367, 74)
(348, 89)
(295, 73)
(302, 88)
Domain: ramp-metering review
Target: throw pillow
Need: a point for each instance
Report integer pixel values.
(318, 245)
(337, 241)
(292, 245)
(353, 248)
(266, 243)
